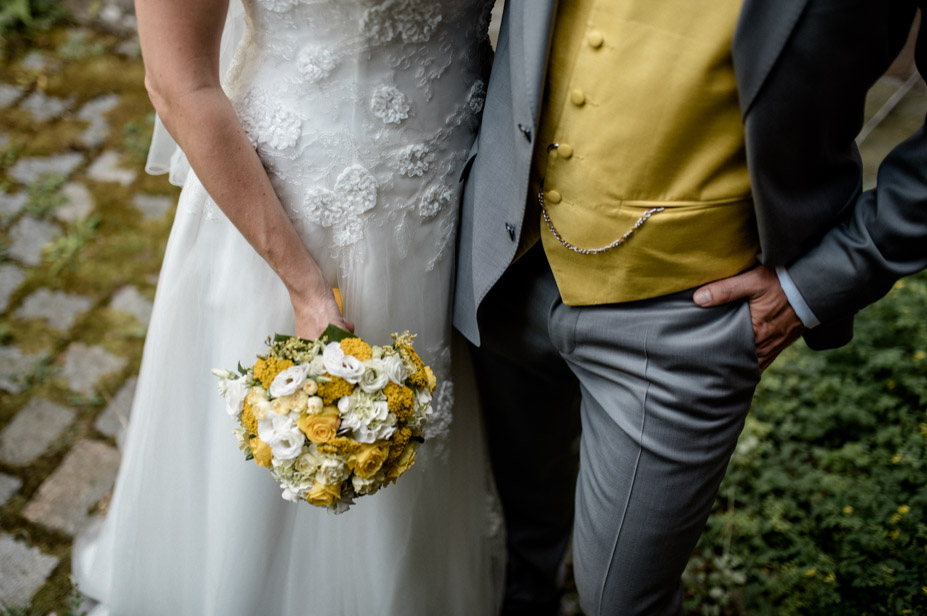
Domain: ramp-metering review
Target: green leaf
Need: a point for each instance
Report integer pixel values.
(335, 334)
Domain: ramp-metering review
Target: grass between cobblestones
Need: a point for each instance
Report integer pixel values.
(114, 247)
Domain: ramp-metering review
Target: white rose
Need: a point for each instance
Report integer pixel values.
(337, 363)
(395, 369)
(375, 377)
(287, 382)
(282, 434)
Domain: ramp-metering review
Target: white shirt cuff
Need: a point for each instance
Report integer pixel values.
(801, 308)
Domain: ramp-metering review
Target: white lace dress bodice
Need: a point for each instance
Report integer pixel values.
(363, 113)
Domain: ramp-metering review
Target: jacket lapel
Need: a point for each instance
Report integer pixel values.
(762, 31)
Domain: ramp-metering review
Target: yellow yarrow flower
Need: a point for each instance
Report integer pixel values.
(904, 509)
(398, 443)
(340, 446)
(267, 368)
(896, 458)
(248, 420)
(847, 510)
(810, 573)
(334, 390)
(400, 400)
(357, 347)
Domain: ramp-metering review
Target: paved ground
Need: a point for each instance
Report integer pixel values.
(82, 231)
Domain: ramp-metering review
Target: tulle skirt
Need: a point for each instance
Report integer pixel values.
(194, 529)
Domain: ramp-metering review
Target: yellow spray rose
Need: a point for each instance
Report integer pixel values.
(368, 459)
(320, 428)
(284, 405)
(324, 495)
(261, 452)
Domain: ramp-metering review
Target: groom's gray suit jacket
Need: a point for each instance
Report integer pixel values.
(803, 68)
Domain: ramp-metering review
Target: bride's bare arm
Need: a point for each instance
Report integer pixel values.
(180, 47)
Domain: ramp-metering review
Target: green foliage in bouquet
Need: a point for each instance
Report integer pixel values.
(824, 507)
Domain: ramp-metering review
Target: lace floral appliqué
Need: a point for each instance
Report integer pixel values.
(389, 104)
(268, 123)
(278, 6)
(414, 20)
(342, 209)
(415, 160)
(315, 63)
(434, 201)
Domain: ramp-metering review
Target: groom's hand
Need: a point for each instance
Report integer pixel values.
(775, 324)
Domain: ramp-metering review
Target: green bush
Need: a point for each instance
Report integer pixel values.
(824, 507)
(30, 14)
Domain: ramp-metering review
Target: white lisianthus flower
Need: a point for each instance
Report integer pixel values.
(317, 366)
(287, 382)
(234, 392)
(337, 363)
(332, 471)
(282, 434)
(395, 369)
(375, 377)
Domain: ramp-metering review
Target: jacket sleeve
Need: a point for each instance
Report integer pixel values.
(884, 238)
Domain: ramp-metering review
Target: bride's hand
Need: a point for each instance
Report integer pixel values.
(314, 314)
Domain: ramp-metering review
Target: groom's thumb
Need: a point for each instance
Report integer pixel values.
(722, 291)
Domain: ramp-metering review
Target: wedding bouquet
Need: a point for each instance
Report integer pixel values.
(332, 418)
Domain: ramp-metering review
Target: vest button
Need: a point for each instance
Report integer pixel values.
(595, 39)
(553, 196)
(565, 150)
(577, 97)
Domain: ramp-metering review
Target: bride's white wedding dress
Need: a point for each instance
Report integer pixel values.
(363, 112)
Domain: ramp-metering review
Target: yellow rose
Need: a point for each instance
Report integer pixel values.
(261, 452)
(404, 463)
(324, 495)
(320, 428)
(368, 459)
(284, 405)
(432, 380)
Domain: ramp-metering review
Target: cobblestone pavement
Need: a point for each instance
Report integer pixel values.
(82, 231)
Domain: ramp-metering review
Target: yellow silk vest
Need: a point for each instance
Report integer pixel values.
(640, 112)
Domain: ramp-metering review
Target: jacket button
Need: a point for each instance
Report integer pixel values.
(511, 229)
(526, 131)
(578, 97)
(595, 39)
(553, 196)
(565, 150)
